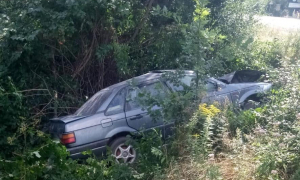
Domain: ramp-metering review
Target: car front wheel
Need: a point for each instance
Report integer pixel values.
(122, 151)
(250, 104)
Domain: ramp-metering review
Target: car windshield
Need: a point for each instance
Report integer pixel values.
(93, 104)
(188, 80)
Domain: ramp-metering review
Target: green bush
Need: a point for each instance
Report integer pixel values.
(59, 52)
(13, 118)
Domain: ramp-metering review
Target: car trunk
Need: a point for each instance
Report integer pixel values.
(57, 125)
(56, 128)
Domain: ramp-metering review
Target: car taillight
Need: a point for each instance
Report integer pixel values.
(68, 138)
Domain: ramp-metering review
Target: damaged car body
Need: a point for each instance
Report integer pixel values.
(112, 114)
(242, 76)
(245, 87)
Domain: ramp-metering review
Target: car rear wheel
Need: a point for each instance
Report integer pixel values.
(122, 151)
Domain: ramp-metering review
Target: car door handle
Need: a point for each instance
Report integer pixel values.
(136, 117)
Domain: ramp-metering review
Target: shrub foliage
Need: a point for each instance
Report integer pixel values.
(55, 54)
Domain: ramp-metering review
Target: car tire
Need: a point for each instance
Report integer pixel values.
(122, 151)
(250, 104)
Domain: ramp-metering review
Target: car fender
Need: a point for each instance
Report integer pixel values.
(249, 93)
(119, 130)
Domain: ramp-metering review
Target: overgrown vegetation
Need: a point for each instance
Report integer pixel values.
(55, 54)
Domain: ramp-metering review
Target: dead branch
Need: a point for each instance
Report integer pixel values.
(140, 26)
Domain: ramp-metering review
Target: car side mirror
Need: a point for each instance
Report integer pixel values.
(220, 87)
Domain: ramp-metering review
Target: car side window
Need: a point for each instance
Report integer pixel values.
(131, 99)
(116, 106)
(156, 89)
(186, 80)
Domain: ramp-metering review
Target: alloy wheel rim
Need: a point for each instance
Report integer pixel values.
(125, 154)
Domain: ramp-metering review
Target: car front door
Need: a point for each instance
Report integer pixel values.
(135, 110)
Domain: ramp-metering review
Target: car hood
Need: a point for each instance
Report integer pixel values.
(263, 86)
(67, 119)
(243, 76)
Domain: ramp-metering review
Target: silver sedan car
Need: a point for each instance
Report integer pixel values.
(113, 113)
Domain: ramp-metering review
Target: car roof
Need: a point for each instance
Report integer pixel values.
(145, 77)
(138, 80)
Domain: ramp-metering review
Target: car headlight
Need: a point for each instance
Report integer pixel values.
(267, 87)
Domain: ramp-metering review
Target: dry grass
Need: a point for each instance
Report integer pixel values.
(236, 162)
(190, 169)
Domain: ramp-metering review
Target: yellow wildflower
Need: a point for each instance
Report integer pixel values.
(208, 111)
(196, 136)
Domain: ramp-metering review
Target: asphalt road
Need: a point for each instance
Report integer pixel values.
(282, 23)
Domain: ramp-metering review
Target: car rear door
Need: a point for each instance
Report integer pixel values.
(135, 110)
